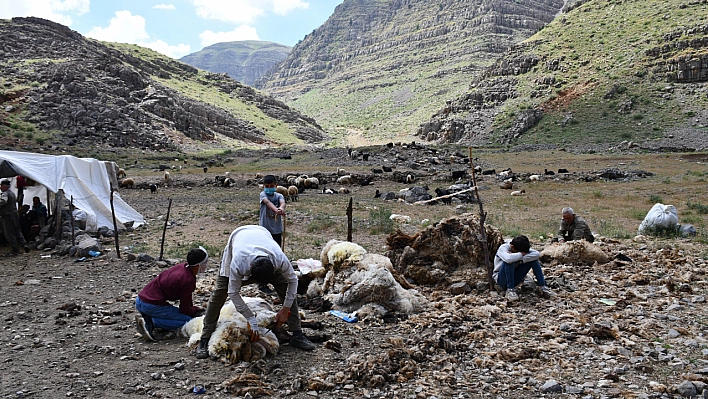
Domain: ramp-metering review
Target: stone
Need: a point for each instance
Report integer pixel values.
(179, 366)
(460, 288)
(686, 389)
(673, 333)
(145, 258)
(700, 386)
(130, 257)
(128, 390)
(574, 390)
(551, 386)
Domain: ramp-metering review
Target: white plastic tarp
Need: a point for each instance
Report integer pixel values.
(84, 179)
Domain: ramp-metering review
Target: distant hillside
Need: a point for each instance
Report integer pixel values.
(58, 87)
(244, 61)
(380, 68)
(601, 73)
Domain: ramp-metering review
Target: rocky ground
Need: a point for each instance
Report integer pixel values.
(621, 329)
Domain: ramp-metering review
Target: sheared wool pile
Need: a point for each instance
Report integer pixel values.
(231, 339)
(574, 252)
(337, 255)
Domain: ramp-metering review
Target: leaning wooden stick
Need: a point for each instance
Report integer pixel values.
(482, 230)
(282, 238)
(115, 225)
(444, 196)
(164, 230)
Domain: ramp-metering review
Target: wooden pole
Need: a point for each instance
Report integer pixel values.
(444, 196)
(115, 226)
(282, 238)
(482, 230)
(73, 233)
(164, 229)
(57, 214)
(350, 212)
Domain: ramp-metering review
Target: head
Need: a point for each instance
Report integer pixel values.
(24, 209)
(269, 184)
(520, 244)
(36, 201)
(568, 215)
(198, 257)
(262, 270)
(4, 185)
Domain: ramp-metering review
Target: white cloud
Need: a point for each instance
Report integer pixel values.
(164, 6)
(244, 11)
(243, 32)
(53, 10)
(128, 28)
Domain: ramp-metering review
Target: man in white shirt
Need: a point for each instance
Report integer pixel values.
(252, 256)
(513, 262)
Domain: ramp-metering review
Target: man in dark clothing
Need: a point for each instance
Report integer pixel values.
(573, 227)
(175, 283)
(40, 211)
(10, 220)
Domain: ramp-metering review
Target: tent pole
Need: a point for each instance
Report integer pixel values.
(73, 234)
(57, 213)
(115, 227)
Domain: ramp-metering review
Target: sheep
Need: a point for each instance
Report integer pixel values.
(291, 180)
(377, 194)
(505, 173)
(387, 169)
(534, 177)
(365, 156)
(121, 173)
(168, 178)
(173, 167)
(259, 175)
(506, 184)
(153, 188)
(341, 172)
(314, 182)
(206, 169)
(562, 170)
(518, 193)
(346, 179)
(375, 170)
(458, 174)
(180, 168)
(441, 192)
(489, 172)
(410, 179)
(364, 182)
(127, 183)
(343, 190)
(548, 172)
(327, 191)
(354, 155)
(477, 169)
(293, 193)
(227, 174)
(282, 190)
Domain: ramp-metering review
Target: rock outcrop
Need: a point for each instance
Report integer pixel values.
(91, 92)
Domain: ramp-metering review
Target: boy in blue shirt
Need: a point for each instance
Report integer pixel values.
(272, 208)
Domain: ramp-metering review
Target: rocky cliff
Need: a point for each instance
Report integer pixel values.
(244, 61)
(386, 66)
(83, 91)
(602, 73)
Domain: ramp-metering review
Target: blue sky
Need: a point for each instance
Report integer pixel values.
(179, 27)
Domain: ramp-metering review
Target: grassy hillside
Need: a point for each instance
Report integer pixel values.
(606, 71)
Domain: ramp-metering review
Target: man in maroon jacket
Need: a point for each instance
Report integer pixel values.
(175, 283)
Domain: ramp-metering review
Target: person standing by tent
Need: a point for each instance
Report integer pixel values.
(40, 211)
(10, 220)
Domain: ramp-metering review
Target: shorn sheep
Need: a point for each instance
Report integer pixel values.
(534, 178)
(518, 193)
(127, 183)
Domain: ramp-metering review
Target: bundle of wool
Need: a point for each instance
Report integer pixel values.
(372, 281)
(574, 252)
(337, 255)
(231, 339)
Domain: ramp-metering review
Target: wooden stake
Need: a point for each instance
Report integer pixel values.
(73, 233)
(350, 212)
(57, 213)
(482, 230)
(282, 237)
(115, 226)
(164, 230)
(444, 196)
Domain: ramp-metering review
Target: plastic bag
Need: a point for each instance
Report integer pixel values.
(660, 215)
(307, 266)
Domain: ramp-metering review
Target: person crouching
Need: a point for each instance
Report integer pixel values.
(175, 283)
(513, 262)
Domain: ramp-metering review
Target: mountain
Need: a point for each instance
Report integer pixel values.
(244, 61)
(380, 68)
(601, 73)
(58, 87)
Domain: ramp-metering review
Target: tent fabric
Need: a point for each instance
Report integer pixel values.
(84, 179)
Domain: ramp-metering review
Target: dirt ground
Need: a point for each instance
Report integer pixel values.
(623, 329)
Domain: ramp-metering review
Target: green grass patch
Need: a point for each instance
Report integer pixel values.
(380, 221)
(698, 207)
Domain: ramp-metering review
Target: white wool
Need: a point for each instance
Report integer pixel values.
(370, 310)
(314, 289)
(346, 179)
(574, 252)
(232, 329)
(534, 177)
(335, 253)
(400, 218)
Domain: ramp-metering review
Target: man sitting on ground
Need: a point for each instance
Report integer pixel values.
(175, 283)
(252, 256)
(573, 227)
(513, 262)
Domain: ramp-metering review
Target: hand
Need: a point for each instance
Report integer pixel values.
(253, 329)
(280, 212)
(282, 316)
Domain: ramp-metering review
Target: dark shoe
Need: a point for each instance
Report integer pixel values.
(202, 349)
(299, 340)
(143, 328)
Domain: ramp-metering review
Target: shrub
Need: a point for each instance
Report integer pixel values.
(320, 223)
(656, 198)
(380, 221)
(660, 231)
(698, 207)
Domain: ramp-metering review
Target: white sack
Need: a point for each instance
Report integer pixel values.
(660, 215)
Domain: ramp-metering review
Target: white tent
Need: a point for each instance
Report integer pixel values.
(85, 179)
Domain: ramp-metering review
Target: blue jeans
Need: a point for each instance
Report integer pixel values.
(165, 317)
(511, 275)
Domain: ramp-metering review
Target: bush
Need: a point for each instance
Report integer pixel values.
(698, 207)
(665, 232)
(380, 221)
(656, 198)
